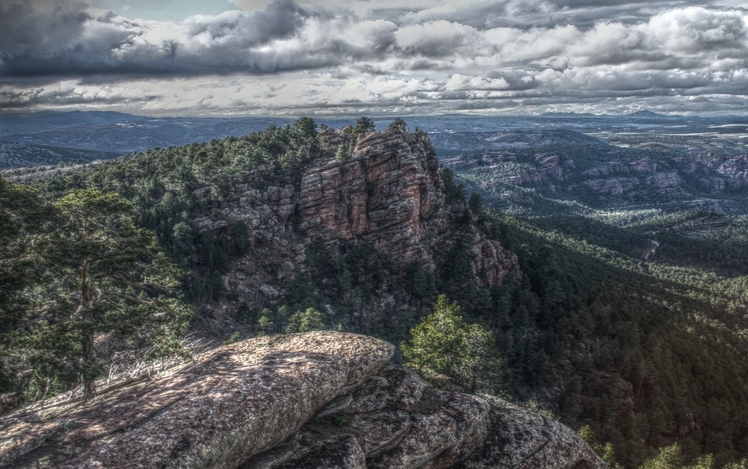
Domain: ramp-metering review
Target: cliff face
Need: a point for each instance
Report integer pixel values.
(389, 193)
(321, 399)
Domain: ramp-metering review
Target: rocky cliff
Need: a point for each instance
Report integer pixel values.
(388, 192)
(321, 399)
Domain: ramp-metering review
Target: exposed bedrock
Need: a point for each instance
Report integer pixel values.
(321, 399)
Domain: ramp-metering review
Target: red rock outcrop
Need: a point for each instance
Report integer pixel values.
(388, 193)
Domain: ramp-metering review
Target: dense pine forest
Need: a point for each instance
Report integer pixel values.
(645, 354)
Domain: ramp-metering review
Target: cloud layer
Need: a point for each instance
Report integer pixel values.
(346, 56)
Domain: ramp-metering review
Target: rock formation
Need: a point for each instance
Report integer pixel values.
(320, 399)
(388, 193)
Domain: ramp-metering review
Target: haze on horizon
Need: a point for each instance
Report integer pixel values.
(378, 57)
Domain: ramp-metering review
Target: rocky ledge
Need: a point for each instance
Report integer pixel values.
(321, 399)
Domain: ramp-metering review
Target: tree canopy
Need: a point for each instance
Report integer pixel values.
(107, 281)
(444, 344)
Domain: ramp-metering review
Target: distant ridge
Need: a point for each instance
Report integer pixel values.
(568, 114)
(649, 114)
(33, 122)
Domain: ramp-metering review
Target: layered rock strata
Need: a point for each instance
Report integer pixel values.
(316, 400)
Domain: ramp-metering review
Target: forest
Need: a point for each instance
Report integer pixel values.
(646, 359)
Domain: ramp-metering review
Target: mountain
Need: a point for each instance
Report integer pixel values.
(122, 133)
(504, 140)
(645, 114)
(568, 114)
(616, 320)
(598, 176)
(17, 155)
(386, 210)
(29, 123)
(139, 134)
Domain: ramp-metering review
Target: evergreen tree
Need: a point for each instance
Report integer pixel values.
(605, 451)
(111, 280)
(307, 320)
(399, 126)
(22, 242)
(23, 216)
(671, 457)
(364, 125)
(343, 153)
(444, 344)
(454, 193)
(475, 203)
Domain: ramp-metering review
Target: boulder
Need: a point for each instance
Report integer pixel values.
(237, 401)
(269, 291)
(314, 400)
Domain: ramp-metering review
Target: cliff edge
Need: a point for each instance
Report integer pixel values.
(321, 399)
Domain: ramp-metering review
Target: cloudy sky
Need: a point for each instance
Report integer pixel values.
(375, 57)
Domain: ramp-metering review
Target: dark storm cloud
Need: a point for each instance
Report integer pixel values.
(64, 96)
(281, 19)
(40, 28)
(482, 54)
(61, 38)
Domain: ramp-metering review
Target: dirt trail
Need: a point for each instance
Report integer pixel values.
(645, 257)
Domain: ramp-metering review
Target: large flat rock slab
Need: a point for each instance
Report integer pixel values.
(236, 402)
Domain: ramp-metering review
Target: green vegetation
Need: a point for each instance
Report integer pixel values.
(516, 183)
(170, 187)
(364, 125)
(648, 358)
(304, 321)
(606, 451)
(670, 458)
(96, 278)
(23, 229)
(643, 355)
(345, 284)
(444, 344)
(399, 126)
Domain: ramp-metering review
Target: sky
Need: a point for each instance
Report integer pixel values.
(375, 57)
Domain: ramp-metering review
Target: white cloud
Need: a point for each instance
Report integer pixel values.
(435, 53)
(465, 82)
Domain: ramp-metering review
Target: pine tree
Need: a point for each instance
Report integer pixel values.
(111, 280)
(444, 344)
(23, 215)
(307, 320)
(364, 125)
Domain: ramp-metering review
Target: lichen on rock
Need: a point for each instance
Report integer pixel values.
(237, 401)
(314, 400)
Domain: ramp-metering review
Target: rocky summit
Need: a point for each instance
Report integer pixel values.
(388, 193)
(320, 399)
